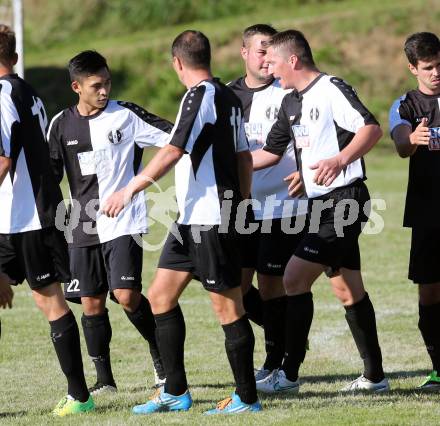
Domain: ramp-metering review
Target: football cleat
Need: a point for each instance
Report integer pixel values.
(165, 402)
(234, 405)
(278, 382)
(432, 382)
(99, 388)
(262, 373)
(68, 405)
(363, 384)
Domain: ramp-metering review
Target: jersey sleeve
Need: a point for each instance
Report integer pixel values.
(349, 112)
(9, 123)
(196, 110)
(399, 114)
(54, 141)
(148, 129)
(279, 136)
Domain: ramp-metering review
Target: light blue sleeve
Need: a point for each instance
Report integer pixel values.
(394, 116)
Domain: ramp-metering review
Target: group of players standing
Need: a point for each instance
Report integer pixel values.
(282, 134)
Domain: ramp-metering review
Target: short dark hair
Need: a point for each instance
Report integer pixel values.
(193, 49)
(7, 44)
(421, 47)
(294, 42)
(86, 63)
(263, 29)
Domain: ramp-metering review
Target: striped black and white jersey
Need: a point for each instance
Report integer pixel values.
(322, 119)
(101, 153)
(260, 107)
(210, 128)
(422, 207)
(29, 194)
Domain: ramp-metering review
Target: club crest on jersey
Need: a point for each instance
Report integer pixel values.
(115, 136)
(434, 139)
(314, 114)
(301, 133)
(272, 112)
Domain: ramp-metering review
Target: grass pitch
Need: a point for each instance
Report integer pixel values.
(32, 383)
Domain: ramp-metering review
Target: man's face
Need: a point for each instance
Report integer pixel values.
(254, 55)
(94, 90)
(279, 67)
(428, 75)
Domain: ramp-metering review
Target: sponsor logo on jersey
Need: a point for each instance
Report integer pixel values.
(272, 112)
(115, 136)
(72, 142)
(254, 132)
(434, 139)
(124, 278)
(301, 133)
(314, 114)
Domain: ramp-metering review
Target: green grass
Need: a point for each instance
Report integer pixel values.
(32, 382)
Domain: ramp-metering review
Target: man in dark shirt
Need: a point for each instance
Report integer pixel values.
(415, 129)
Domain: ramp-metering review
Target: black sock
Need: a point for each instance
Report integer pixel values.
(239, 344)
(171, 337)
(253, 305)
(65, 337)
(298, 319)
(362, 322)
(274, 331)
(98, 334)
(143, 319)
(429, 325)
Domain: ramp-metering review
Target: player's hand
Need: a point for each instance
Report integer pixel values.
(115, 203)
(6, 293)
(296, 186)
(421, 134)
(327, 170)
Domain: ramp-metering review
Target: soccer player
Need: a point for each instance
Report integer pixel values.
(213, 173)
(31, 247)
(415, 129)
(332, 130)
(100, 143)
(269, 248)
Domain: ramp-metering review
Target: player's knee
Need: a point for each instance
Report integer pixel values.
(127, 298)
(93, 305)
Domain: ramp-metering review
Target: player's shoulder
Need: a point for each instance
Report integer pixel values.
(237, 84)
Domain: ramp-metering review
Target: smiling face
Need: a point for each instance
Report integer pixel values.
(428, 75)
(93, 90)
(254, 56)
(281, 67)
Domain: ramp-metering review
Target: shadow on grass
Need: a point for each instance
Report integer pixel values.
(13, 414)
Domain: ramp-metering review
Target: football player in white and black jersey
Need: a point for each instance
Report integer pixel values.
(331, 130)
(213, 173)
(99, 142)
(31, 248)
(268, 249)
(415, 129)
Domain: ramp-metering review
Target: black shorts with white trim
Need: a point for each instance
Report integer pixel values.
(104, 267)
(40, 257)
(212, 257)
(333, 232)
(270, 247)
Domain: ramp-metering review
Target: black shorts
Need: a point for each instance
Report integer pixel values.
(211, 256)
(104, 267)
(269, 248)
(424, 265)
(40, 257)
(328, 241)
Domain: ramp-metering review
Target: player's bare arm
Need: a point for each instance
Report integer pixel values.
(244, 160)
(406, 142)
(5, 165)
(160, 164)
(262, 159)
(328, 170)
